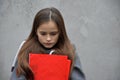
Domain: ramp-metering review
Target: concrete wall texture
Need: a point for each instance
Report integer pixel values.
(92, 25)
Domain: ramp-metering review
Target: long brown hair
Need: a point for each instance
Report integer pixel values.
(62, 47)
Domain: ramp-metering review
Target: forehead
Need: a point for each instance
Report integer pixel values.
(48, 26)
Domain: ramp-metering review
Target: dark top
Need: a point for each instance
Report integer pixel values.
(77, 73)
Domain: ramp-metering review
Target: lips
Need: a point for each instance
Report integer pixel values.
(48, 43)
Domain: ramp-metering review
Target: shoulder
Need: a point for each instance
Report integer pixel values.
(77, 72)
(15, 58)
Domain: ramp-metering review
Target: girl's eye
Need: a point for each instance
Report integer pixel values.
(53, 33)
(43, 33)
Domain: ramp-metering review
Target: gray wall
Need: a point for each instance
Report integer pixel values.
(92, 25)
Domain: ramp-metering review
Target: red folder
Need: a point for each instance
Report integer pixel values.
(49, 67)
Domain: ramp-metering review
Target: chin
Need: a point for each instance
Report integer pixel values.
(48, 47)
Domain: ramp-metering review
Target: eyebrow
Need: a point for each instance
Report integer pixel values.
(46, 31)
(53, 32)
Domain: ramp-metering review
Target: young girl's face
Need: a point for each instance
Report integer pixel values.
(48, 34)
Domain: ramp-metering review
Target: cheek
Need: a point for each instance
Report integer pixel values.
(39, 38)
(56, 39)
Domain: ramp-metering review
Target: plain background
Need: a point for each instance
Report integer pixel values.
(92, 25)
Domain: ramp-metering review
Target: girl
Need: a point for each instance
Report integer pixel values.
(48, 33)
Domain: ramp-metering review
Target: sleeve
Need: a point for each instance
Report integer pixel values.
(77, 73)
(14, 66)
(14, 76)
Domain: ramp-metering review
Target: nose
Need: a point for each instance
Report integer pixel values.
(48, 38)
